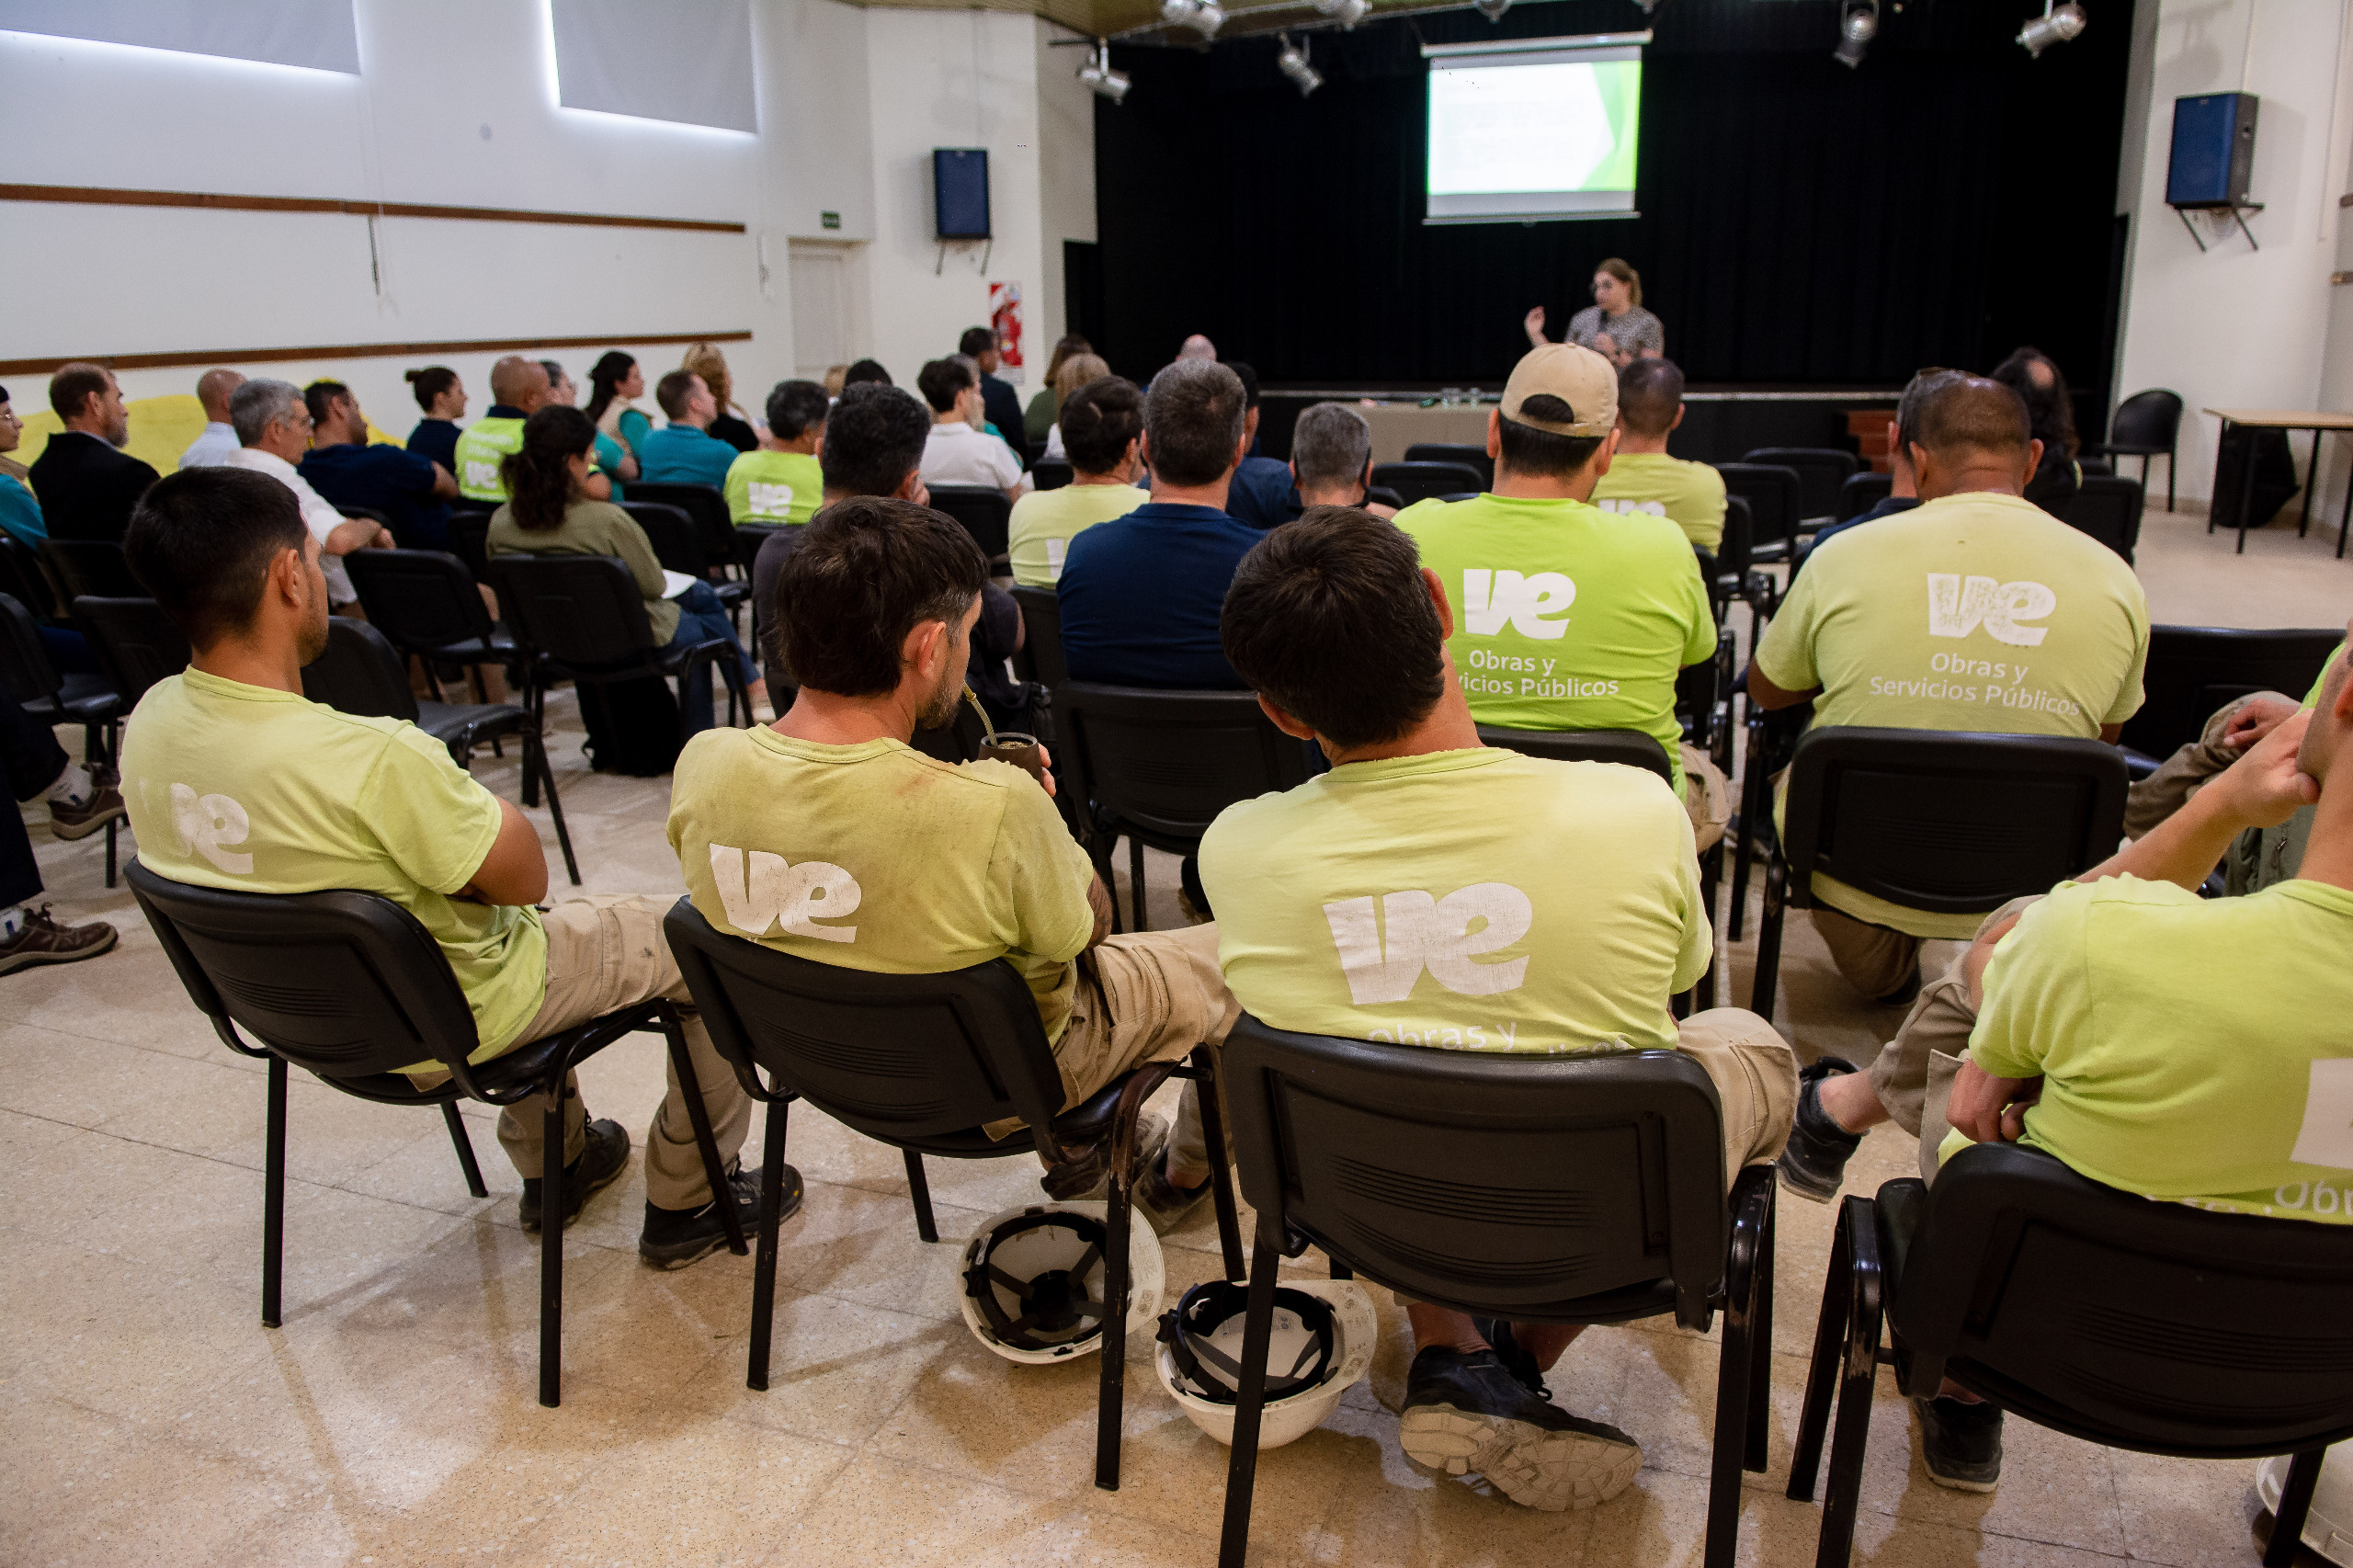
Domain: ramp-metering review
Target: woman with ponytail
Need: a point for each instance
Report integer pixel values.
(614, 380)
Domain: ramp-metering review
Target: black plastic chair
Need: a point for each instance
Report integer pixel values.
(468, 532)
(1731, 573)
(91, 702)
(1052, 473)
(361, 673)
(1599, 1198)
(2146, 425)
(368, 514)
(1470, 455)
(1948, 822)
(94, 568)
(136, 644)
(2156, 1327)
(986, 515)
(2192, 671)
(677, 543)
(1040, 657)
(922, 1063)
(2109, 509)
(1428, 480)
(584, 616)
(429, 604)
(706, 509)
(1863, 490)
(25, 579)
(1822, 473)
(1776, 497)
(1158, 766)
(349, 987)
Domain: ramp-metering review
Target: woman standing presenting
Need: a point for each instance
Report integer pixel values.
(1615, 325)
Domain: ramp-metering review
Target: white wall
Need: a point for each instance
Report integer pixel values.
(1065, 173)
(2234, 326)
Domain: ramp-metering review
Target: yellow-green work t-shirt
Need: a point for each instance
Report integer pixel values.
(774, 487)
(1473, 900)
(260, 791)
(875, 856)
(483, 445)
(1565, 617)
(2195, 1049)
(1045, 521)
(1688, 494)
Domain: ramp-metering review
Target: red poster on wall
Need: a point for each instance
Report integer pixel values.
(1005, 319)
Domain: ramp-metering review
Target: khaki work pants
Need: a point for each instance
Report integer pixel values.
(1913, 1073)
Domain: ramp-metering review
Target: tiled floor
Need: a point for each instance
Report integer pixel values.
(151, 1419)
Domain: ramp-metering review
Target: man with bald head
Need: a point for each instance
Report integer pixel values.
(1975, 611)
(1198, 347)
(214, 389)
(518, 388)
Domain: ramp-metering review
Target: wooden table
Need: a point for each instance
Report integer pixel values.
(1397, 425)
(2282, 419)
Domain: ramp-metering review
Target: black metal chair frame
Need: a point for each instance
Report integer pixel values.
(2170, 452)
(1783, 543)
(678, 538)
(90, 568)
(403, 1004)
(479, 641)
(983, 512)
(922, 1096)
(1471, 455)
(705, 508)
(99, 620)
(1863, 490)
(2193, 670)
(1811, 463)
(88, 700)
(2122, 498)
(1420, 481)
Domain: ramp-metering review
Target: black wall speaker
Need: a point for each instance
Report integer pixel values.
(960, 192)
(2214, 151)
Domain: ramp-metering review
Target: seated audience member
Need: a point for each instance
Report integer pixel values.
(1331, 460)
(1198, 347)
(550, 513)
(2111, 1024)
(837, 378)
(1141, 595)
(726, 422)
(518, 389)
(213, 389)
(862, 372)
(876, 606)
(20, 513)
(958, 450)
(1643, 477)
(86, 483)
(1047, 407)
(1103, 426)
(615, 463)
(1522, 553)
(299, 796)
(274, 423)
(1075, 373)
(1904, 485)
(1976, 611)
(81, 801)
(2227, 734)
(613, 381)
(1261, 493)
(1000, 404)
(413, 491)
(783, 481)
(2050, 415)
(442, 398)
(684, 451)
(1343, 634)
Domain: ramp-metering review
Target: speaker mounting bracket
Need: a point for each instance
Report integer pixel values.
(2238, 210)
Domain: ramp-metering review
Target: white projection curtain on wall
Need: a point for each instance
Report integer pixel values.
(689, 60)
(319, 34)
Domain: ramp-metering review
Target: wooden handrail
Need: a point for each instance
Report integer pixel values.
(42, 366)
(104, 196)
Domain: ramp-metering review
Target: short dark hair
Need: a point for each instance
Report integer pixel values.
(319, 397)
(429, 384)
(1542, 454)
(867, 571)
(1649, 392)
(1248, 376)
(862, 372)
(976, 341)
(71, 389)
(1972, 414)
(671, 392)
(1329, 618)
(795, 406)
(1099, 420)
(202, 542)
(1916, 397)
(875, 436)
(1192, 417)
(942, 379)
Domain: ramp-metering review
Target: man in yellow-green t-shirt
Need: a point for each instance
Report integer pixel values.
(1102, 422)
(234, 780)
(1976, 611)
(1643, 477)
(783, 481)
(1432, 890)
(518, 388)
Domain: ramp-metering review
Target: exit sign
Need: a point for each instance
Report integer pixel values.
(829, 220)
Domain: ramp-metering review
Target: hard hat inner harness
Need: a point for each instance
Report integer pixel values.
(1214, 1372)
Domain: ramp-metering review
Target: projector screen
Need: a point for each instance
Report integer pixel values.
(1533, 129)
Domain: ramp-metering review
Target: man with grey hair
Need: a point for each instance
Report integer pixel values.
(1331, 459)
(273, 425)
(213, 389)
(1141, 596)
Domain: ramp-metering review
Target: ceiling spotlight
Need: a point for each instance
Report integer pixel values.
(1099, 76)
(1347, 13)
(1858, 25)
(1491, 9)
(2056, 25)
(1204, 17)
(1292, 62)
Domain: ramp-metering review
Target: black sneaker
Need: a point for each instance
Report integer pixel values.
(1522, 1366)
(1961, 1443)
(606, 1156)
(1465, 1411)
(1814, 1161)
(675, 1237)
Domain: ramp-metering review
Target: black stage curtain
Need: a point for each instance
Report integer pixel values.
(1802, 223)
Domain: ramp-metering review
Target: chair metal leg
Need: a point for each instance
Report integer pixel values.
(919, 1190)
(1341, 1270)
(763, 1262)
(1242, 1460)
(691, 1091)
(1760, 1357)
(465, 1146)
(273, 1194)
(1712, 867)
(2295, 1503)
(1752, 811)
(1765, 987)
(1857, 1372)
(1111, 1375)
(551, 1213)
(1829, 1335)
(1735, 1370)
(534, 704)
(1135, 877)
(1210, 1089)
(112, 823)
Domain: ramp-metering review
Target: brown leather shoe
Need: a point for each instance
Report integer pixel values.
(41, 940)
(103, 805)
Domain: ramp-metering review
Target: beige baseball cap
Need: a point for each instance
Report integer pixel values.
(1574, 374)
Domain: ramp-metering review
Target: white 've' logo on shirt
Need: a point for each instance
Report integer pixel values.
(481, 475)
(206, 823)
(791, 896)
(1957, 606)
(1631, 509)
(2326, 1136)
(1433, 932)
(1491, 598)
(1055, 549)
(771, 500)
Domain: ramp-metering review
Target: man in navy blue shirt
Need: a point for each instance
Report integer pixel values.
(1141, 595)
(1262, 492)
(412, 492)
(1904, 487)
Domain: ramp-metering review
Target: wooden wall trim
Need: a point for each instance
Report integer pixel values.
(100, 196)
(358, 351)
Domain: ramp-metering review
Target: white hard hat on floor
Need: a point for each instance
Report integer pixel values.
(1323, 1337)
(2329, 1527)
(1034, 1282)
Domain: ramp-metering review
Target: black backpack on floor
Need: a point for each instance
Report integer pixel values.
(632, 726)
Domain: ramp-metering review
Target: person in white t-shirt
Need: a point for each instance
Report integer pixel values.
(273, 428)
(958, 452)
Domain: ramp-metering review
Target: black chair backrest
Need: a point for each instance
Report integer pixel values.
(2153, 1325)
(1165, 763)
(1949, 823)
(712, 524)
(672, 534)
(1631, 747)
(91, 566)
(1485, 1180)
(894, 1056)
(1041, 616)
(1427, 481)
(2149, 419)
(1471, 457)
(382, 519)
(1052, 473)
(467, 532)
(1734, 550)
(360, 673)
(136, 643)
(581, 610)
(421, 600)
(2194, 670)
(1822, 471)
(25, 673)
(2109, 509)
(1776, 497)
(24, 579)
(985, 514)
(1861, 492)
